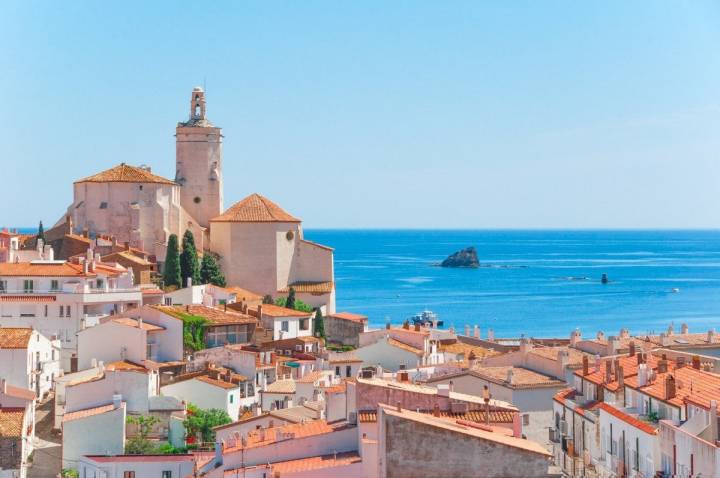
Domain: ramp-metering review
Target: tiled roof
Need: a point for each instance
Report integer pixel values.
(125, 366)
(217, 383)
(345, 360)
(521, 377)
(281, 386)
(310, 287)
(88, 412)
(124, 173)
(152, 291)
(315, 463)
(27, 298)
(139, 458)
(255, 208)
(18, 392)
(296, 414)
(297, 430)
(128, 256)
(314, 376)
(628, 364)
(406, 347)
(551, 353)
(11, 422)
(28, 269)
(339, 388)
(350, 316)
(272, 310)
(688, 382)
(213, 315)
(629, 419)
(134, 323)
(14, 338)
(465, 349)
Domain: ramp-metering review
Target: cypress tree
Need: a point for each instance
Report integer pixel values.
(41, 233)
(268, 299)
(290, 302)
(319, 324)
(171, 272)
(189, 266)
(210, 272)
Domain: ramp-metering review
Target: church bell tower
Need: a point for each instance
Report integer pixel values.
(198, 159)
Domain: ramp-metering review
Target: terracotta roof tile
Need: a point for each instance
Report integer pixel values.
(404, 346)
(316, 463)
(217, 383)
(214, 315)
(688, 382)
(88, 412)
(281, 386)
(629, 419)
(272, 310)
(350, 316)
(18, 392)
(551, 353)
(310, 287)
(125, 366)
(11, 422)
(521, 377)
(244, 294)
(14, 338)
(27, 298)
(28, 269)
(134, 323)
(255, 208)
(296, 430)
(124, 173)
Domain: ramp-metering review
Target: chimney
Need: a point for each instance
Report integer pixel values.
(608, 371)
(624, 333)
(600, 335)
(467, 330)
(632, 348)
(417, 327)
(525, 346)
(662, 366)
(711, 336)
(597, 362)
(696, 362)
(585, 365)
(669, 387)
(670, 330)
(613, 344)
(639, 358)
(620, 377)
(684, 329)
(476, 332)
(510, 379)
(387, 326)
(3, 386)
(117, 401)
(680, 362)
(406, 325)
(713, 421)
(491, 335)
(575, 337)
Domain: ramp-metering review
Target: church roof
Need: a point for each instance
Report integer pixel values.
(255, 208)
(124, 173)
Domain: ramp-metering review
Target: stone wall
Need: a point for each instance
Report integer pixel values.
(415, 449)
(342, 331)
(10, 453)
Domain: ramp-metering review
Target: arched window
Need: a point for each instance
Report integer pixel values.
(197, 111)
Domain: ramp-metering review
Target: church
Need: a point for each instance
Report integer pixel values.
(260, 246)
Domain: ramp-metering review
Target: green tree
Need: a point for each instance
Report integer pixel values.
(200, 423)
(171, 272)
(69, 473)
(194, 331)
(41, 233)
(319, 325)
(139, 444)
(210, 272)
(290, 301)
(189, 266)
(268, 299)
(299, 304)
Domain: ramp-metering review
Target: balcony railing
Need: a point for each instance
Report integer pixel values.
(79, 290)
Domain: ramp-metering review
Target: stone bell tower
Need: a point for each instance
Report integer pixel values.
(198, 160)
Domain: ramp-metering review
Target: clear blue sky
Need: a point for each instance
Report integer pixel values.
(378, 114)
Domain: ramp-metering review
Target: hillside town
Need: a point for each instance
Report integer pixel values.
(152, 332)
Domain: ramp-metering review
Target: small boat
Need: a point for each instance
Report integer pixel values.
(426, 317)
(604, 279)
(675, 290)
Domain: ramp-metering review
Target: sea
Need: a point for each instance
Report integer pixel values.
(533, 283)
(537, 283)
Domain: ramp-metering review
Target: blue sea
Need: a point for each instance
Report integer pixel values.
(391, 274)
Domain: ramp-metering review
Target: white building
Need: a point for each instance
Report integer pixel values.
(285, 323)
(137, 466)
(205, 392)
(28, 359)
(61, 298)
(98, 430)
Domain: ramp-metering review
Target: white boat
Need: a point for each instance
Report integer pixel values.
(426, 317)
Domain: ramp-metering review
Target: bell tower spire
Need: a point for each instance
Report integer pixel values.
(198, 160)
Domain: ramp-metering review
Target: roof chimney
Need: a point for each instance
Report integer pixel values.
(510, 380)
(684, 329)
(669, 387)
(662, 366)
(117, 400)
(467, 330)
(406, 325)
(608, 371)
(491, 335)
(575, 337)
(711, 336)
(600, 335)
(3, 386)
(620, 377)
(417, 327)
(632, 348)
(387, 326)
(476, 332)
(696, 362)
(585, 365)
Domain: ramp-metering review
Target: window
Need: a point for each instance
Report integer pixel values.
(3, 286)
(285, 326)
(167, 473)
(46, 310)
(348, 370)
(304, 324)
(129, 474)
(232, 397)
(168, 300)
(103, 205)
(54, 285)
(28, 285)
(337, 370)
(526, 420)
(99, 284)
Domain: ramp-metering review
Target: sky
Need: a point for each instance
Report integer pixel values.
(377, 114)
